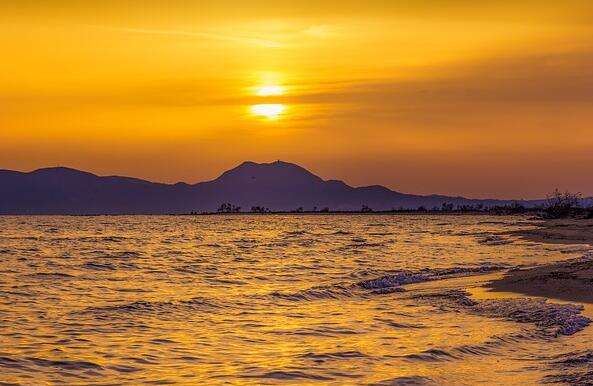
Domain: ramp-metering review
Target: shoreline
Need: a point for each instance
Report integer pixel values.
(528, 216)
(570, 280)
(561, 231)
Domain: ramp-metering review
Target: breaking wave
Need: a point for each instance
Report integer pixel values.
(423, 275)
(550, 318)
(385, 284)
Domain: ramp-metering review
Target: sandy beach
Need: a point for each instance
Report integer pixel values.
(570, 280)
(564, 231)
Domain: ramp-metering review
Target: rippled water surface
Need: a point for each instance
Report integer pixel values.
(270, 300)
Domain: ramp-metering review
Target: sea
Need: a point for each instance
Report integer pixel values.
(281, 300)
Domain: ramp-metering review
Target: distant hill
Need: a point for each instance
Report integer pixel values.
(279, 186)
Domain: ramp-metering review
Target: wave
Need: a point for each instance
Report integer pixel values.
(66, 365)
(319, 331)
(383, 285)
(316, 293)
(320, 358)
(394, 280)
(359, 244)
(491, 346)
(573, 368)
(573, 379)
(551, 319)
(341, 233)
(28, 362)
(50, 275)
(99, 266)
(105, 239)
(413, 380)
(398, 325)
(574, 359)
(115, 255)
(432, 355)
(149, 308)
(492, 222)
(494, 240)
(546, 320)
(576, 249)
(91, 239)
(296, 233)
(289, 376)
(410, 277)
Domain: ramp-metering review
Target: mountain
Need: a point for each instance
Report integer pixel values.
(278, 186)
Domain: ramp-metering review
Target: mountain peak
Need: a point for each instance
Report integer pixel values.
(272, 172)
(274, 164)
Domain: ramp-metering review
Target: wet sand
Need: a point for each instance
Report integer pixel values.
(567, 231)
(571, 280)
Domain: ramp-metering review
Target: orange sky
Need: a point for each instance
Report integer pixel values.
(435, 96)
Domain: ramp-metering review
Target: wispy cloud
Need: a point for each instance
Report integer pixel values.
(242, 39)
(320, 31)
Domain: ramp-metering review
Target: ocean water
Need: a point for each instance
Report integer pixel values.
(257, 300)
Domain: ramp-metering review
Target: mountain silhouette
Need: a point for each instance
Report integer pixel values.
(279, 186)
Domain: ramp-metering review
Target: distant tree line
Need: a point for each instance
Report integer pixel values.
(259, 209)
(557, 205)
(226, 207)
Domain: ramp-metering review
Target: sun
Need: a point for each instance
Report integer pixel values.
(267, 90)
(268, 110)
(270, 90)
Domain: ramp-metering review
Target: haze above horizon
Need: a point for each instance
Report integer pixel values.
(449, 97)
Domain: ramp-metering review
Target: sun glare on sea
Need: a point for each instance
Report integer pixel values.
(268, 110)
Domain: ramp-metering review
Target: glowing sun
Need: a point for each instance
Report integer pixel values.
(268, 110)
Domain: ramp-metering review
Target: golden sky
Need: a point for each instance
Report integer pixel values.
(477, 98)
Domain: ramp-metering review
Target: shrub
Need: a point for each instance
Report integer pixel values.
(562, 204)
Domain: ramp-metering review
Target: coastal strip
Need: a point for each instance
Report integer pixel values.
(570, 280)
